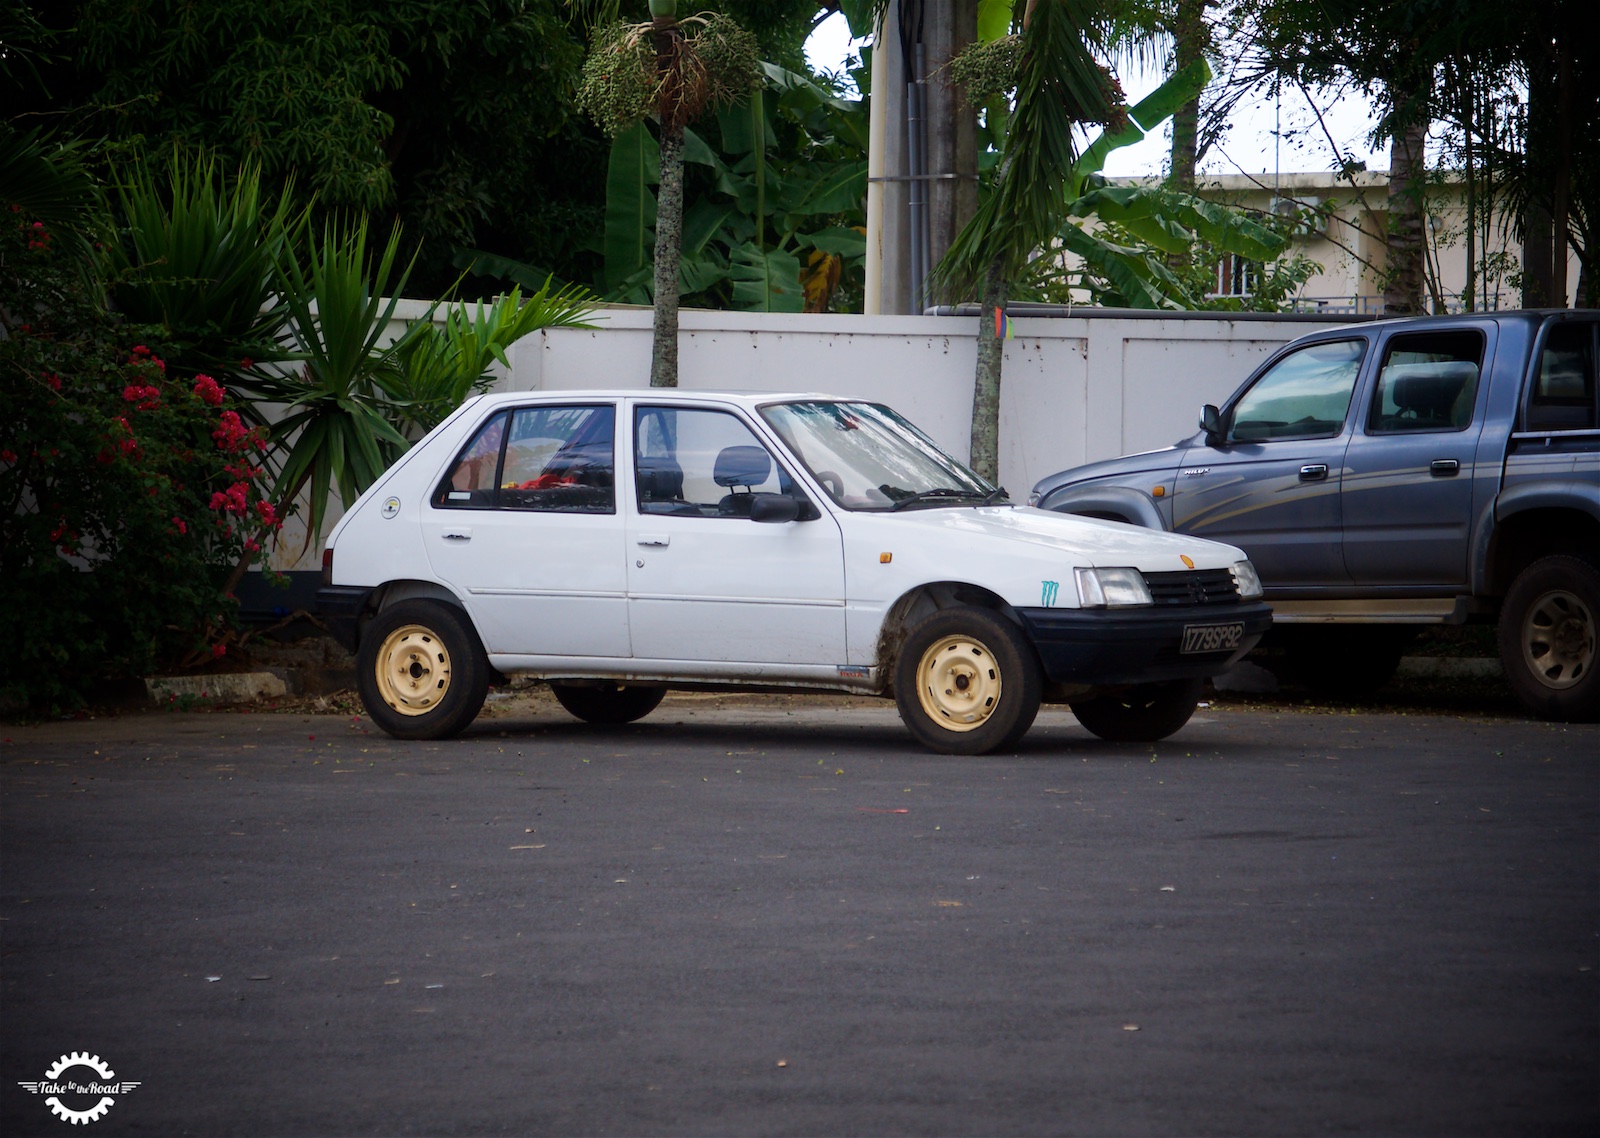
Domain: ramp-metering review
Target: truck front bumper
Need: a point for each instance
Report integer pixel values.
(1143, 645)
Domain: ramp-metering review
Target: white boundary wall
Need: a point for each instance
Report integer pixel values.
(1075, 389)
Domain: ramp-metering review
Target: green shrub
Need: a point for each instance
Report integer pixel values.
(128, 497)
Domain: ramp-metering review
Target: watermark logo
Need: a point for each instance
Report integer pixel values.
(81, 1079)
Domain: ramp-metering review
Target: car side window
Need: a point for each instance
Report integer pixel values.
(1305, 395)
(558, 459)
(700, 463)
(471, 480)
(1429, 382)
(1563, 394)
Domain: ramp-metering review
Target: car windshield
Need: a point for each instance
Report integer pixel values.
(869, 458)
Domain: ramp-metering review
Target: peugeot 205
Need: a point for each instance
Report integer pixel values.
(620, 544)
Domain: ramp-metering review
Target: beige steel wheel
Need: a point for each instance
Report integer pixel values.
(967, 682)
(413, 670)
(421, 670)
(958, 682)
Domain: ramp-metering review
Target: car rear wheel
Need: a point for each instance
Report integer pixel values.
(421, 670)
(1140, 714)
(608, 704)
(1345, 661)
(967, 682)
(1549, 627)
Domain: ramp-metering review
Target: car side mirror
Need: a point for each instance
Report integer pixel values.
(774, 508)
(1211, 424)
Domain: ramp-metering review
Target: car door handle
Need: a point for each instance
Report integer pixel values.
(1444, 468)
(654, 539)
(1316, 472)
(461, 533)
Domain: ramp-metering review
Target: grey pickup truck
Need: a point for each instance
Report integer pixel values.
(1389, 475)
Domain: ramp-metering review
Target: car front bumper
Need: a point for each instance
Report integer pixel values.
(1138, 646)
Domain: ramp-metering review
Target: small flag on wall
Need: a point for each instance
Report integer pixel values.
(1002, 325)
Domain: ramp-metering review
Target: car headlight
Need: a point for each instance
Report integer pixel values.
(1033, 497)
(1247, 579)
(1112, 588)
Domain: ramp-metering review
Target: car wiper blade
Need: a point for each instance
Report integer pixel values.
(942, 494)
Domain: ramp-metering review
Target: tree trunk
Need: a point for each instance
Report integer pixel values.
(1402, 293)
(669, 213)
(986, 380)
(1190, 38)
(952, 127)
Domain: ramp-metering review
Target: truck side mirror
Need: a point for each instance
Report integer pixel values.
(1211, 424)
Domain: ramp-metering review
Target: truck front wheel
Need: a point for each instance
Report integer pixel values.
(1549, 627)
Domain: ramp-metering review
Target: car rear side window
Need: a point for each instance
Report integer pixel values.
(1305, 395)
(537, 458)
(1429, 382)
(1563, 394)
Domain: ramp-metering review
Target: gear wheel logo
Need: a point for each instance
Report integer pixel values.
(78, 1088)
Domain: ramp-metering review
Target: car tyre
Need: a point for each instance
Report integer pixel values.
(967, 682)
(608, 704)
(1143, 713)
(421, 670)
(1549, 628)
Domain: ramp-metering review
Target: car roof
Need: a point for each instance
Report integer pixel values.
(743, 398)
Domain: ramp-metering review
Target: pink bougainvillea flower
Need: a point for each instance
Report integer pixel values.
(218, 651)
(246, 364)
(209, 390)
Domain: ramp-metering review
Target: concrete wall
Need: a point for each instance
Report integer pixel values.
(1076, 389)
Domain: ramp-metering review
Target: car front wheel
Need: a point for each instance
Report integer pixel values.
(967, 682)
(1549, 626)
(1141, 714)
(608, 704)
(421, 670)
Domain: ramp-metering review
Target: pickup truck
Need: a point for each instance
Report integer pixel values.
(1390, 475)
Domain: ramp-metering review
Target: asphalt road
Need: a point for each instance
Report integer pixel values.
(775, 919)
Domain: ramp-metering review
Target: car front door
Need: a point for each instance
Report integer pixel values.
(525, 527)
(705, 582)
(1270, 483)
(1410, 470)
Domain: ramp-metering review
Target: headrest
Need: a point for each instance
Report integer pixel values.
(742, 466)
(1431, 390)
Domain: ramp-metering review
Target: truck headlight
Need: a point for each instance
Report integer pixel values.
(1033, 497)
(1112, 588)
(1247, 579)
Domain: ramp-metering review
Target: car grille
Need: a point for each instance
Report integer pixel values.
(1202, 587)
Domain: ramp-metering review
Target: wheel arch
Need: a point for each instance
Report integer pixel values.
(1537, 526)
(393, 592)
(928, 598)
(1108, 502)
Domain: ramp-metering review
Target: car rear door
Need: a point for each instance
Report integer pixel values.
(1410, 472)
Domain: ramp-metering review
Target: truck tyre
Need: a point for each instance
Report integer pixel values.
(1140, 714)
(967, 682)
(1345, 661)
(1549, 627)
(421, 670)
(608, 704)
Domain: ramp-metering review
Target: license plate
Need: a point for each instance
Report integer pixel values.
(1211, 637)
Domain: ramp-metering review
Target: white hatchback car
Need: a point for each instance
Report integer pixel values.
(618, 544)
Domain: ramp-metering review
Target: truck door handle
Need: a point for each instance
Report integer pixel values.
(654, 539)
(1444, 468)
(1316, 472)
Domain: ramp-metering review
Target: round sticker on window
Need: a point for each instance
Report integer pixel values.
(391, 507)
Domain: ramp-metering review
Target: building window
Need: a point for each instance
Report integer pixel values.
(1235, 276)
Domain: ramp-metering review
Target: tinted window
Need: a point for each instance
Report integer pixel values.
(1305, 395)
(551, 458)
(1429, 382)
(1563, 394)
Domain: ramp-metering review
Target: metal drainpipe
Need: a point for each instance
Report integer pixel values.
(912, 53)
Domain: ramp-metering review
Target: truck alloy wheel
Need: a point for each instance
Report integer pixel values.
(967, 682)
(1550, 638)
(421, 670)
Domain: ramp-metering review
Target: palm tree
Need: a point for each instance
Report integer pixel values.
(1057, 85)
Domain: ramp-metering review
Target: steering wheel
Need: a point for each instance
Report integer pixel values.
(831, 482)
